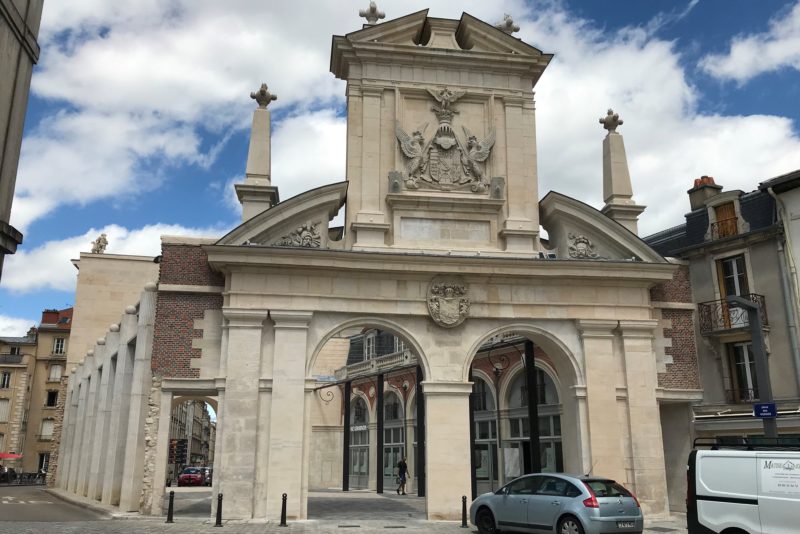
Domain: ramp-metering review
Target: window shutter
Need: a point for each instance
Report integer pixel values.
(47, 428)
(4, 410)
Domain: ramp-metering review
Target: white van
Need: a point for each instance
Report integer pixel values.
(743, 489)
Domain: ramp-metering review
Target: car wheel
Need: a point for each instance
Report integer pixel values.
(569, 525)
(485, 522)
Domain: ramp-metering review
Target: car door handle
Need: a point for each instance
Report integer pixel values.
(523, 501)
(556, 503)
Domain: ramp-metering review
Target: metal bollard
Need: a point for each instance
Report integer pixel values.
(283, 511)
(219, 511)
(171, 507)
(463, 511)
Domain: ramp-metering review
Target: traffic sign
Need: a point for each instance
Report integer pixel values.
(766, 410)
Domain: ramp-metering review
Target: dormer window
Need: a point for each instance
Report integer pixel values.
(369, 345)
(726, 224)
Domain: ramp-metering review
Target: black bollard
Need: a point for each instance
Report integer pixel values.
(283, 511)
(171, 507)
(464, 511)
(219, 511)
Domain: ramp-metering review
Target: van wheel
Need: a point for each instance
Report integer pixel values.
(485, 522)
(569, 525)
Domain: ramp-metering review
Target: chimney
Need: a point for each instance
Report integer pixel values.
(49, 316)
(617, 191)
(257, 193)
(704, 188)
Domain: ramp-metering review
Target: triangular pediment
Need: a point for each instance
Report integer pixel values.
(577, 231)
(479, 36)
(404, 30)
(301, 221)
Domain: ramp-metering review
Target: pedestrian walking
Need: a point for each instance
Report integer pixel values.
(402, 473)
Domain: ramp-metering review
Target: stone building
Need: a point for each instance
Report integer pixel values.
(191, 421)
(19, 28)
(741, 243)
(31, 369)
(441, 252)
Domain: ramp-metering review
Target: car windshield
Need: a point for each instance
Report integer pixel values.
(607, 488)
(191, 471)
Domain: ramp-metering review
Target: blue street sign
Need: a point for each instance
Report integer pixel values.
(767, 410)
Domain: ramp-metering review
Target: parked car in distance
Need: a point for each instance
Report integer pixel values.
(7, 474)
(554, 502)
(207, 475)
(191, 476)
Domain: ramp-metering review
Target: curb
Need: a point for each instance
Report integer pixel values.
(80, 501)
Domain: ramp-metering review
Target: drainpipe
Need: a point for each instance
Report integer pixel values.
(788, 284)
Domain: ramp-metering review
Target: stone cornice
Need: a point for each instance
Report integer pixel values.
(446, 389)
(244, 318)
(290, 318)
(596, 327)
(181, 288)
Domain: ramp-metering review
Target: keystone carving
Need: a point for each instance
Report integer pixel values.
(581, 248)
(306, 236)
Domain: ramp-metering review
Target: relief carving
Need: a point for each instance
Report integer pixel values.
(306, 236)
(581, 248)
(448, 302)
(445, 162)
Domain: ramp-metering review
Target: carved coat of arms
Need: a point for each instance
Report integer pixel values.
(445, 161)
(448, 301)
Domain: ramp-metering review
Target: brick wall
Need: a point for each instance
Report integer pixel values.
(682, 372)
(176, 312)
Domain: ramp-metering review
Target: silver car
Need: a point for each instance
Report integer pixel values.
(551, 502)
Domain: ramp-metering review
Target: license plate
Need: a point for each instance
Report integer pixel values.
(625, 524)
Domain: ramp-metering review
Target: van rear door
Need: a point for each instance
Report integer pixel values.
(778, 475)
(726, 491)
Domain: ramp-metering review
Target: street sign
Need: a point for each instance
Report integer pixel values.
(766, 410)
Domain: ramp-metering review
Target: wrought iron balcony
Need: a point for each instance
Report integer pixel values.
(736, 396)
(724, 228)
(10, 358)
(717, 316)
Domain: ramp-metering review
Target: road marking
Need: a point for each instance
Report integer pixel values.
(25, 502)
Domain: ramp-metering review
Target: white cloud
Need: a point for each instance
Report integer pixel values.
(48, 266)
(15, 326)
(751, 55)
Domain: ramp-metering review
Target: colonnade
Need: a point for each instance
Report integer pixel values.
(102, 444)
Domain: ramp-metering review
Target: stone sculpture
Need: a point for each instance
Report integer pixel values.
(99, 245)
(448, 304)
(507, 25)
(581, 248)
(306, 236)
(263, 96)
(611, 121)
(372, 14)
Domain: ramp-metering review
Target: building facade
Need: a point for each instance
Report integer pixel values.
(19, 28)
(735, 244)
(441, 261)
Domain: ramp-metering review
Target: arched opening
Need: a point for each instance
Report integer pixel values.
(517, 412)
(363, 423)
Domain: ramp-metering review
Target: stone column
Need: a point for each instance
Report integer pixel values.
(88, 427)
(162, 452)
(141, 382)
(605, 431)
(67, 433)
(120, 407)
(647, 446)
(447, 458)
(240, 419)
(79, 405)
(101, 446)
(287, 472)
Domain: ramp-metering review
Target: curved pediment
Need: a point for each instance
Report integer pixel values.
(577, 231)
(301, 221)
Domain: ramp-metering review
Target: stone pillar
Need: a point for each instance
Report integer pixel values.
(447, 457)
(96, 478)
(120, 407)
(521, 227)
(67, 432)
(287, 472)
(370, 225)
(79, 409)
(647, 446)
(142, 379)
(601, 397)
(87, 442)
(240, 419)
(162, 419)
(617, 190)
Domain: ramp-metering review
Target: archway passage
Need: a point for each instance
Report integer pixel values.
(365, 422)
(517, 419)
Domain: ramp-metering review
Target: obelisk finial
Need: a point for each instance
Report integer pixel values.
(263, 96)
(507, 25)
(611, 121)
(372, 14)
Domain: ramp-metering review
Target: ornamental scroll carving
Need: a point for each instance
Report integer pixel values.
(448, 301)
(581, 248)
(445, 161)
(306, 236)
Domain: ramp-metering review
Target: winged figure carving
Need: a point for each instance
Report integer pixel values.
(413, 146)
(477, 152)
(445, 97)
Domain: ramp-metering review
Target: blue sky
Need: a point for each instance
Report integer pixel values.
(139, 114)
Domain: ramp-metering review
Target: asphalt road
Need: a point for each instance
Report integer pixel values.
(32, 503)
